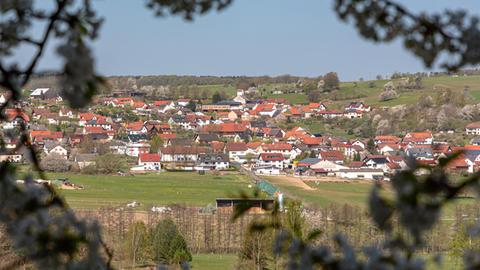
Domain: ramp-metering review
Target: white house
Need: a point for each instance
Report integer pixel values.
(237, 151)
(266, 170)
(149, 162)
(271, 159)
(473, 128)
(53, 147)
(136, 149)
(217, 162)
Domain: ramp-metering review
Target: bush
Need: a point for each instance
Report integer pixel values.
(388, 95)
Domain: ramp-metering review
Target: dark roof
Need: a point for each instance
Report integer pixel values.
(213, 158)
(208, 137)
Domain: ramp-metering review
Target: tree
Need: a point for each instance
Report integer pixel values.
(54, 162)
(110, 163)
(371, 146)
(331, 81)
(191, 105)
(137, 243)
(314, 96)
(169, 246)
(256, 251)
(216, 97)
(155, 143)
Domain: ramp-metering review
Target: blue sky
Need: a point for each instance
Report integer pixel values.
(251, 37)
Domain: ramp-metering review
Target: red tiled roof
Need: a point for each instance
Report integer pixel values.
(311, 140)
(167, 135)
(159, 103)
(134, 126)
(236, 146)
(277, 147)
(149, 157)
(183, 150)
(253, 145)
(271, 157)
(332, 155)
(356, 164)
(473, 125)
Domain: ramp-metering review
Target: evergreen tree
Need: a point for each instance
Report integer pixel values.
(169, 246)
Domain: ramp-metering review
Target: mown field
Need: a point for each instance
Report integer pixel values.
(166, 188)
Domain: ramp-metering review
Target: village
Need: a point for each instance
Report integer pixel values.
(186, 135)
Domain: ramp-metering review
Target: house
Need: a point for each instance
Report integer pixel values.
(334, 156)
(473, 128)
(330, 114)
(84, 160)
(237, 151)
(15, 118)
(358, 106)
(266, 170)
(386, 139)
(287, 150)
(387, 148)
(45, 93)
(376, 162)
(136, 149)
(183, 101)
(136, 128)
(206, 138)
(11, 157)
(53, 147)
(149, 161)
(226, 129)
(271, 160)
(64, 112)
(460, 164)
(181, 153)
(208, 162)
(420, 152)
(418, 138)
(240, 98)
(163, 106)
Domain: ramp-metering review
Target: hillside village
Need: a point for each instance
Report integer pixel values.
(186, 134)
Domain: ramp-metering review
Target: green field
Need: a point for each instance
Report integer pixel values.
(214, 261)
(152, 189)
(370, 94)
(327, 193)
(353, 193)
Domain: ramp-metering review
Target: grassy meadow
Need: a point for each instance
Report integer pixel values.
(166, 188)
